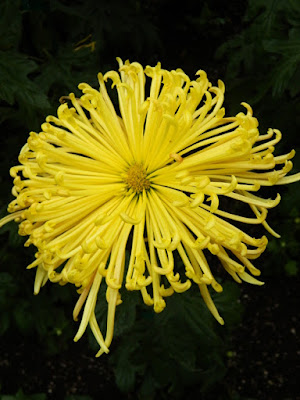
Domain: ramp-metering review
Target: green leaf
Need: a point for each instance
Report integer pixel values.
(7, 283)
(291, 268)
(283, 47)
(23, 317)
(215, 370)
(16, 87)
(228, 304)
(124, 368)
(197, 317)
(287, 65)
(125, 376)
(11, 24)
(264, 13)
(66, 68)
(126, 313)
(148, 387)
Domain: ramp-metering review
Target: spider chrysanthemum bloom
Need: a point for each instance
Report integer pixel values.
(146, 177)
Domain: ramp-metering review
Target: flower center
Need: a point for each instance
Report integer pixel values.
(136, 178)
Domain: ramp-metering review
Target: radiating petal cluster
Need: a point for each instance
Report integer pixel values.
(148, 178)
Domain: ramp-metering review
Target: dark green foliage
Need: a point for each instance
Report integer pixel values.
(20, 96)
(16, 88)
(263, 68)
(263, 62)
(45, 316)
(166, 353)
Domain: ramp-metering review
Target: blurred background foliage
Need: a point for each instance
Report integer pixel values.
(47, 47)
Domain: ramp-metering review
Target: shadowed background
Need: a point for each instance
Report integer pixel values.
(46, 49)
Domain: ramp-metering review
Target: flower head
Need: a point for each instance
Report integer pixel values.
(146, 177)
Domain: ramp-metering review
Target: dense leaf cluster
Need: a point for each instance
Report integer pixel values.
(174, 350)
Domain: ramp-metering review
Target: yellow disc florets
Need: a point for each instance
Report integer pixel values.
(117, 195)
(136, 178)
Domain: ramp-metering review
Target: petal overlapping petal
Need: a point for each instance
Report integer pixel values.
(148, 177)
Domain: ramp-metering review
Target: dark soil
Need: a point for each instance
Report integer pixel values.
(262, 365)
(265, 360)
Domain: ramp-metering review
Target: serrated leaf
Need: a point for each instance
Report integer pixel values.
(283, 47)
(14, 69)
(198, 317)
(288, 64)
(264, 12)
(66, 69)
(283, 74)
(124, 368)
(18, 90)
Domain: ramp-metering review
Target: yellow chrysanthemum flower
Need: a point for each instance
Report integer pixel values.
(147, 178)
